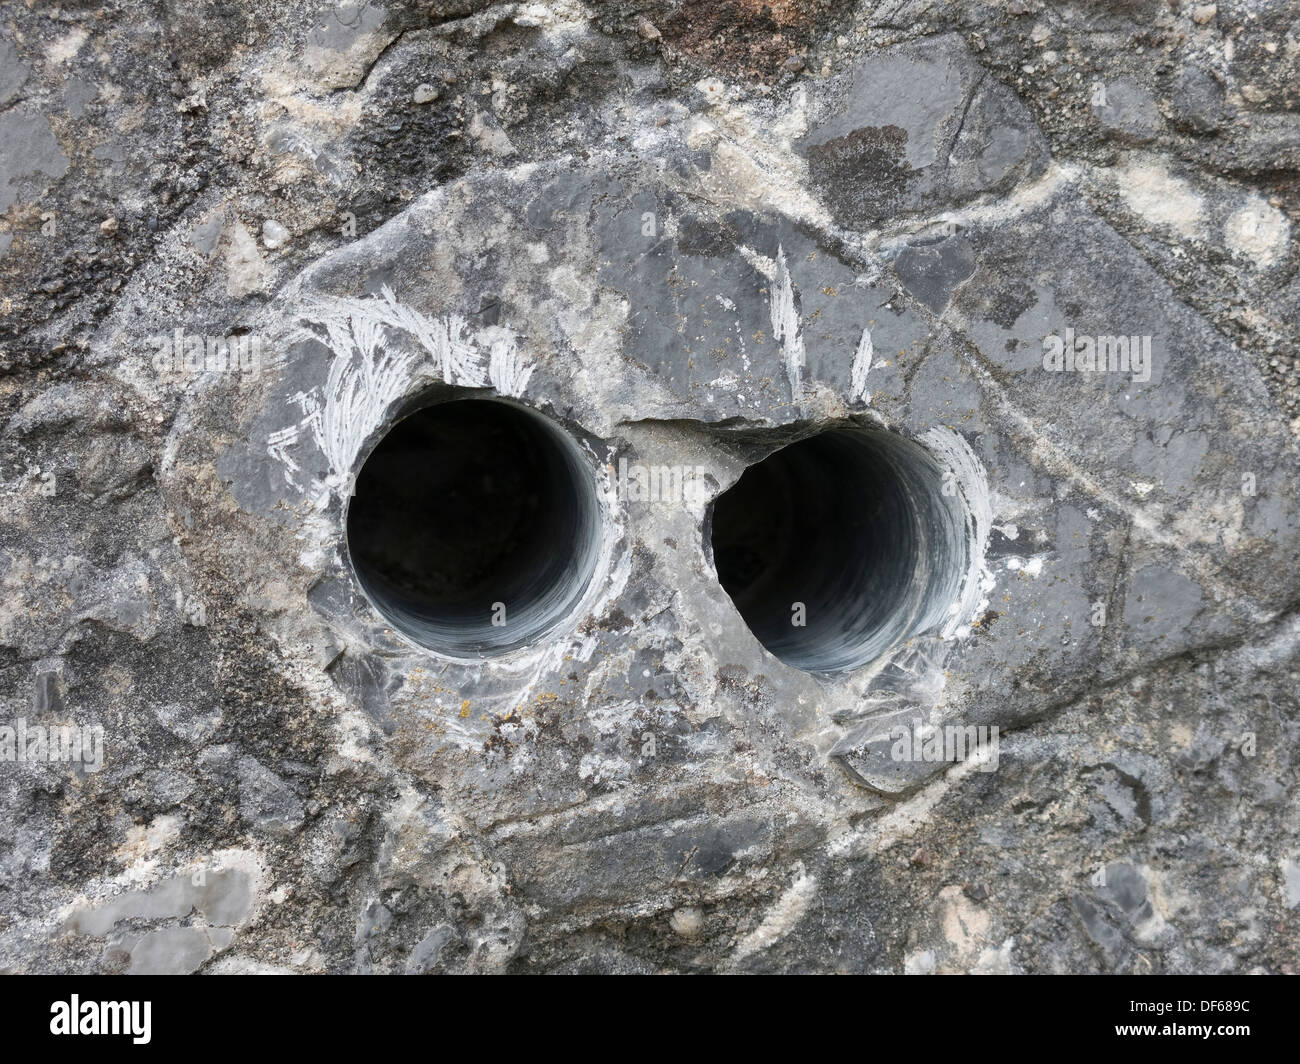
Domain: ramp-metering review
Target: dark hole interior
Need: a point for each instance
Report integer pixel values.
(852, 524)
(466, 505)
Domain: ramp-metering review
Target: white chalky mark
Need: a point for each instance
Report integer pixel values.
(785, 326)
(782, 917)
(861, 367)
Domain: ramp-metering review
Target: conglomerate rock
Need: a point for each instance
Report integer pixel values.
(846, 283)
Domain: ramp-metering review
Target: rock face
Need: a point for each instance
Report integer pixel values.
(961, 336)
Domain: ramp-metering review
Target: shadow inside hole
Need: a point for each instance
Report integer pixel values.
(848, 531)
(475, 526)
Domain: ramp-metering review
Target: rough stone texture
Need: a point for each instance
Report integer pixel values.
(689, 233)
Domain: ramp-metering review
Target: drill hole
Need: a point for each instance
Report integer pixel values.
(475, 527)
(839, 546)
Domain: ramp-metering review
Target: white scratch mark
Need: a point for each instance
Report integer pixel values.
(507, 369)
(366, 376)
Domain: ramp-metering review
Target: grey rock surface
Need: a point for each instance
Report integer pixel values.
(690, 236)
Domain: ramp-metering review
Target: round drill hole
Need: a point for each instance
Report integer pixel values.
(475, 526)
(837, 547)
